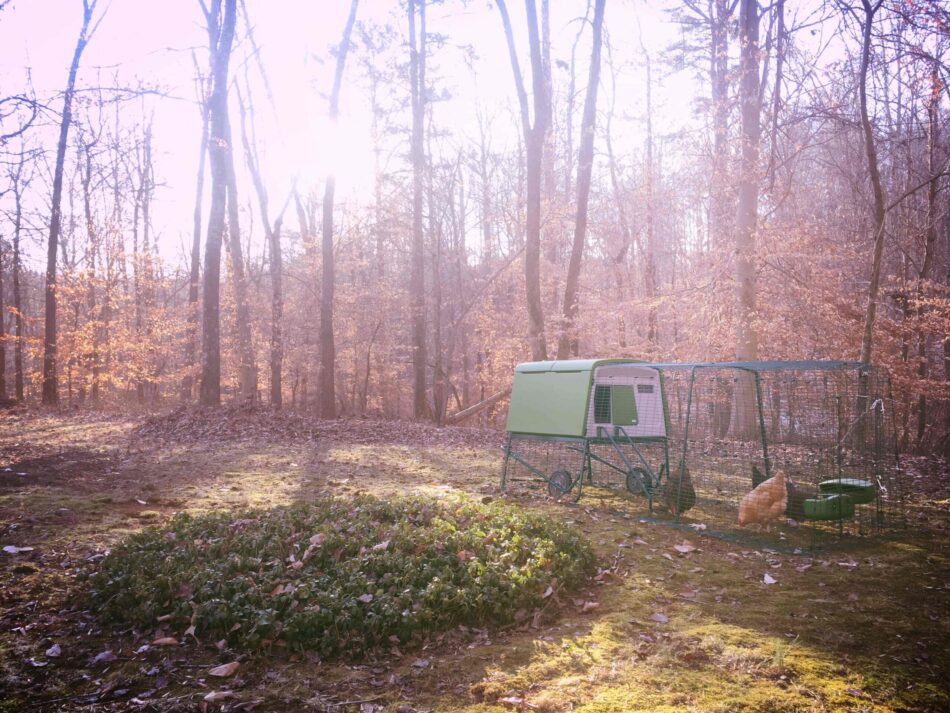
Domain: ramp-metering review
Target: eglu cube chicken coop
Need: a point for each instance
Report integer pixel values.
(807, 443)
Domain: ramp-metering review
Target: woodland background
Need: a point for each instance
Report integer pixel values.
(799, 211)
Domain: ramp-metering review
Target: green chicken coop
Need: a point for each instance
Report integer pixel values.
(706, 434)
(566, 416)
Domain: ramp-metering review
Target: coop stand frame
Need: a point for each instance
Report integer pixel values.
(576, 484)
(649, 486)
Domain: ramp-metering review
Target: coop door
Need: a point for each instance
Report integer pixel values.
(616, 405)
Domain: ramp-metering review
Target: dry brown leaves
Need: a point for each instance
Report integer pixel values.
(192, 424)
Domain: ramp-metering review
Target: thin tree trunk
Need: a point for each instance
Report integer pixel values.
(929, 245)
(194, 279)
(3, 335)
(328, 283)
(781, 43)
(568, 342)
(875, 174)
(719, 17)
(417, 272)
(18, 188)
(248, 365)
(534, 149)
(93, 240)
(650, 267)
(218, 148)
(50, 390)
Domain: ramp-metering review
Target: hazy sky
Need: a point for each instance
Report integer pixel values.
(152, 41)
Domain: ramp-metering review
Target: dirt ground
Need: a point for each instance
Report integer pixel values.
(678, 619)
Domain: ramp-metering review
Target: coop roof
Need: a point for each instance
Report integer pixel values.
(800, 365)
(550, 398)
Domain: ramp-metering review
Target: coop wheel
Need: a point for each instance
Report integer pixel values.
(559, 483)
(636, 480)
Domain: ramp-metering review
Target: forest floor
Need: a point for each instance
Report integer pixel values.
(677, 620)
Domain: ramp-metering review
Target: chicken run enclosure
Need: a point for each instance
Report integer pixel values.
(809, 445)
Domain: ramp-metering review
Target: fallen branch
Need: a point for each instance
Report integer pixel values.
(477, 408)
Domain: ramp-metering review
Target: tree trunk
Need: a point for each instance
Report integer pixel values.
(248, 369)
(719, 18)
(875, 174)
(568, 342)
(328, 283)
(650, 266)
(417, 273)
(18, 187)
(194, 280)
(50, 390)
(743, 418)
(534, 136)
(930, 243)
(218, 148)
(3, 335)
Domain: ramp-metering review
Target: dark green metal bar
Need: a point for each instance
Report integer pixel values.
(504, 467)
(689, 411)
(765, 443)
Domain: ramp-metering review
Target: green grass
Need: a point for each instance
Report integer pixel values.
(338, 575)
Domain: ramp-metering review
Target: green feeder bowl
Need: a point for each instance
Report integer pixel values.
(860, 491)
(831, 507)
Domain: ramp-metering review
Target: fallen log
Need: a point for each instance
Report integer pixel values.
(477, 408)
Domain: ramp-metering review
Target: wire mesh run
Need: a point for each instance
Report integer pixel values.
(814, 446)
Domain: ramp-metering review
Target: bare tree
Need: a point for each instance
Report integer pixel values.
(328, 283)
(880, 212)
(568, 340)
(50, 385)
(194, 273)
(19, 182)
(417, 80)
(222, 34)
(742, 416)
(534, 136)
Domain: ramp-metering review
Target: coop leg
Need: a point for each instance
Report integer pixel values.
(504, 466)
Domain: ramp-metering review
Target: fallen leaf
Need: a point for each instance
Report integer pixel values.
(769, 579)
(37, 664)
(685, 548)
(14, 550)
(224, 670)
(365, 598)
(318, 539)
(588, 606)
(420, 663)
(216, 696)
(381, 546)
(511, 700)
(103, 657)
(662, 618)
(165, 641)
(54, 651)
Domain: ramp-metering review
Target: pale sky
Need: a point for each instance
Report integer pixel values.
(152, 41)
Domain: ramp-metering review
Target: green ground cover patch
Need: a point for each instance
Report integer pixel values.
(340, 576)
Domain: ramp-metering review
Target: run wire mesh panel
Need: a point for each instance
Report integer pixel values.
(824, 429)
